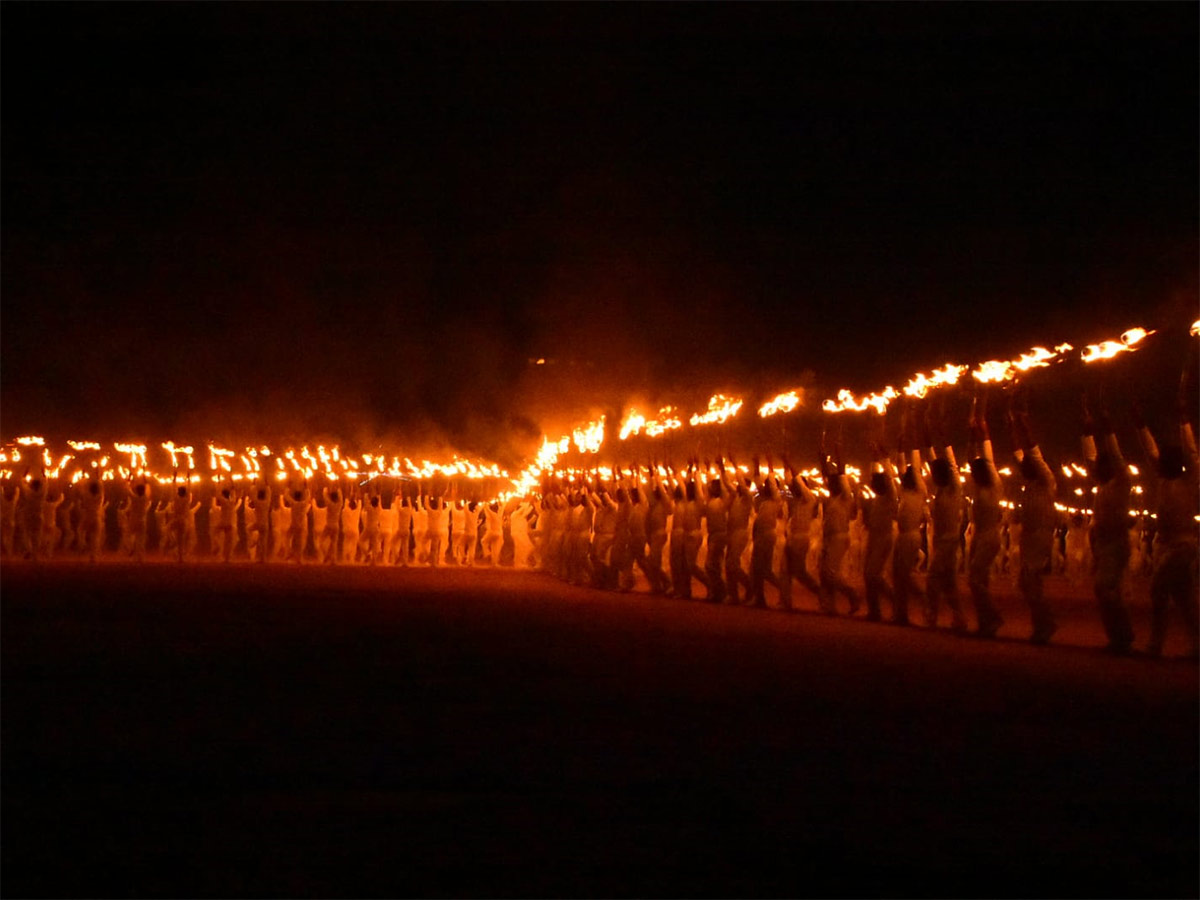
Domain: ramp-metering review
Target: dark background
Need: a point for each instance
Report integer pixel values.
(369, 219)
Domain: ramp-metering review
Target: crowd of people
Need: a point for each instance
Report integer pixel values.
(907, 532)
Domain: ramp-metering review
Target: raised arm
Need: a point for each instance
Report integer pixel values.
(1145, 438)
(724, 488)
(983, 439)
(1187, 437)
(909, 445)
(799, 486)
(770, 482)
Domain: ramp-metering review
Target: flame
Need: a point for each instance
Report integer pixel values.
(1134, 336)
(720, 409)
(587, 438)
(1109, 349)
(632, 425)
(661, 426)
(995, 370)
(171, 448)
(137, 454)
(635, 423)
(1105, 350)
(1195, 329)
(217, 457)
(848, 402)
(921, 384)
(1037, 358)
(590, 437)
(784, 403)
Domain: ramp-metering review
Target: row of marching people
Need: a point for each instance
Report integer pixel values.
(331, 524)
(734, 531)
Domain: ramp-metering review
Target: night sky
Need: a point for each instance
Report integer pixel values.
(372, 217)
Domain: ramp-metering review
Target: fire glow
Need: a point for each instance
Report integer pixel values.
(921, 384)
(1108, 349)
(782, 403)
(589, 438)
(720, 410)
(995, 370)
(635, 423)
(848, 402)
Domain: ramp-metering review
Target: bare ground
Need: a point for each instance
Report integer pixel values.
(234, 731)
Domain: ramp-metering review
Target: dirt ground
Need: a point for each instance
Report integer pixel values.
(205, 730)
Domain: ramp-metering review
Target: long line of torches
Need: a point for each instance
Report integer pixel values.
(589, 438)
(224, 465)
(254, 462)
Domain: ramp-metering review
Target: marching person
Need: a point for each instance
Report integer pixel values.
(987, 515)
(1039, 518)
(372, 533)
(420, 527)
(137, 507)
(741, 510)
(402, 542)
(716, 520)
(767, 510)
(439, 529)
(802, 509)
(91, 516)
(229, 501)
(1112, 484)
(911, 513)
(840, 509)
(1176, 469)
(297, 502)
(659, 512)
(946, 519)
(493, 533)
(327, 539)
(692, 509)
(258, 523)
(880, 516)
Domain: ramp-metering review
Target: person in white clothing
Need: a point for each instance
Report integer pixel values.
(351, 524)
(91, 516)
(420, 527)
(228, 503)
(493, 533)
(987, 514)
(402, 539)
(1176, 472)
(327, 537)
(439, 528)
(1039, 518)
(297, 502)
(1112, 483)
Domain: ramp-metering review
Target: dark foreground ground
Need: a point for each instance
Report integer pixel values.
(212, 731)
